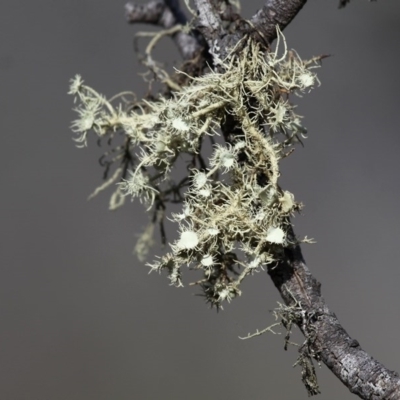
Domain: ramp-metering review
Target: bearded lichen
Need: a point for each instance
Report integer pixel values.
(235, 217)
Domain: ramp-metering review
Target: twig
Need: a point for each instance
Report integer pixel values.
(157, 12)
(273, 13)
(259, 333)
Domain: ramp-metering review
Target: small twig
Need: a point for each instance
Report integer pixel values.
(276, 13)
(158, 13)
(259, 333)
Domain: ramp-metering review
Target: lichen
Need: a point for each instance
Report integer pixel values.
(231, 199)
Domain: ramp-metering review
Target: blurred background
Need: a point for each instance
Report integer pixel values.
(80, 316)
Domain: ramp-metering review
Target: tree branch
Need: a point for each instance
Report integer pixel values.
(158, 13)
(330, 343)
(175, 8)
(275, 12)
(326, 339)
(209, 22)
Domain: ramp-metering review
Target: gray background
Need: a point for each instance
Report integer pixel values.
(80, 316)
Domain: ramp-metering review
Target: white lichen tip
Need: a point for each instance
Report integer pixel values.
(213, 231)
(188, 240)
(180, 125)
(75, 85)
(287, 202)
(207, 260)
(275, 235)
(306, 79)
(199, 180)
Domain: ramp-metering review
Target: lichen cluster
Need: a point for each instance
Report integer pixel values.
(235, 217)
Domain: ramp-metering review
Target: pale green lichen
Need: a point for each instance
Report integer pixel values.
(231, 199)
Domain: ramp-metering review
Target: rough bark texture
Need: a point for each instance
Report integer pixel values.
(329, 342)
(158, 13)
(273, 13)
(326, 339)
(209, 23)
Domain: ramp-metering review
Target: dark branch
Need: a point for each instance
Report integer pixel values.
(158, 13)
(209, 23)
(151, 12)
(326, 339)
(173, 5)
(330, 343)
(273, 13)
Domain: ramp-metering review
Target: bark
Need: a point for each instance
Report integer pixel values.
(326, 340)
(275, 13)
(157, 12)
(209, 23)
